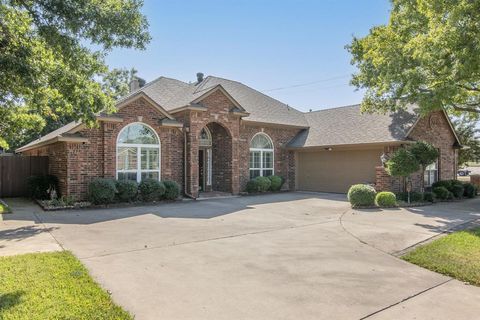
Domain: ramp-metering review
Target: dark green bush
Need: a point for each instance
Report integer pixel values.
(361, 195)
(447, 184)
(457, 190)
(385, 199)
(276, 183)
(38, 187)
(126, 190)
(263, 184)
(172, 190)
(151, 189)
(450, 196)
(414, 196)
(101, 191)
(429, 197)
(441, 193)
(252, 186)
(469, 190)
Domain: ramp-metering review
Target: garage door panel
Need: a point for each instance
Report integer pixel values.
(336, 171)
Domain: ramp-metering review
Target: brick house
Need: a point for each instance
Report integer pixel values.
(216, 134)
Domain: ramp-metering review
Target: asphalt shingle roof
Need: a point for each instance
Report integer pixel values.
(172, 94)
(336, 126)
(347, 125)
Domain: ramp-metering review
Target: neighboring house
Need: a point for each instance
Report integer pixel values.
(216, 134)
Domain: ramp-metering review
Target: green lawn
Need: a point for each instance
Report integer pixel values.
(52, 286)
(456, 255)
(4, 208)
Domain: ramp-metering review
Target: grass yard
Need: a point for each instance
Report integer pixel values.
(52, 286)
(456, 255)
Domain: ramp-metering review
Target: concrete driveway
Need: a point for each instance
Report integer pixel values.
(283, 256)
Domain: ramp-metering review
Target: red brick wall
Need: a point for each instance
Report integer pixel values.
(57, 162)
(284, 161)
(435, 129)
(79, 163)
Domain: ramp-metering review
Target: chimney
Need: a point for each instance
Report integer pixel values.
(199, 77)
(134, 84)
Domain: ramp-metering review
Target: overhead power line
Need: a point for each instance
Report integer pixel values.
(307, 83)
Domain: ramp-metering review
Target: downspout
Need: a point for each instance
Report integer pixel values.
(185, 165)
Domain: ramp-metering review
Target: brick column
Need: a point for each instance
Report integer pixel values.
(192, 163)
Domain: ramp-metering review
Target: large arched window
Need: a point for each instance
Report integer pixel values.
(261, 156)
(138, 153)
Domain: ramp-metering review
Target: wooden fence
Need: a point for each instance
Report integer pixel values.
(14, 171)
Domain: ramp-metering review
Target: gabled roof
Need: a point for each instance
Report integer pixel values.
(63, 132)
(173, 94)
(347, 125)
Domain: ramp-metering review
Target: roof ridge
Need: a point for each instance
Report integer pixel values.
(148, 84)
(263, 94)
(332, 108)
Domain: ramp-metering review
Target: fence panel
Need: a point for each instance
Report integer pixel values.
(14, 171)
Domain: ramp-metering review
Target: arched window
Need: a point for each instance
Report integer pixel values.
(205, 138)
(138, 153)
(261, 156)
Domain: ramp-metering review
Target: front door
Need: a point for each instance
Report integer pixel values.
(201, 170)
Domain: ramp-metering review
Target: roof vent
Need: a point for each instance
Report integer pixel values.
(199, 77)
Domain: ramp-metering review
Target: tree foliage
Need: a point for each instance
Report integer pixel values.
(469, 136)
(424, 153)
(402, 163)
(427, 54)
(47, 70)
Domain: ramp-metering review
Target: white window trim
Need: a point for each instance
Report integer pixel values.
(436, 173)
(262, 151)
(209, 139)
(139, 147)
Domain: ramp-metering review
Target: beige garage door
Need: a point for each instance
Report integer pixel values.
(336, 171)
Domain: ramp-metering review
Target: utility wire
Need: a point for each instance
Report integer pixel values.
(308, 83)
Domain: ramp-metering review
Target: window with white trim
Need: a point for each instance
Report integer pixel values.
(430, 174)
(138, 153)
(261, 156)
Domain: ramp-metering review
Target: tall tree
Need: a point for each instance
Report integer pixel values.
(47, 70)
(469, 135)
(428, 53)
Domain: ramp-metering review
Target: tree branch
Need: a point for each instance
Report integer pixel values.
(468, 109)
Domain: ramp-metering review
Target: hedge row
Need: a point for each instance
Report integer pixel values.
(104, 191)
(263, 184)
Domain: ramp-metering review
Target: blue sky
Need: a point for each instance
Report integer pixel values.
(264, 44)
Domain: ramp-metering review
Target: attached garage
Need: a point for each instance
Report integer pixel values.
(336, 170)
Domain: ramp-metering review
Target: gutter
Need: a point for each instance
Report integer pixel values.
(185, 166)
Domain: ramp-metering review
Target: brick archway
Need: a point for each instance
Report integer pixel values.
(217, 162)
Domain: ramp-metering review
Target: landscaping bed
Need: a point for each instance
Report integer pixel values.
(52, 286)
(456, 255)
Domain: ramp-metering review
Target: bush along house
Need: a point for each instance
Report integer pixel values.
(217, 134)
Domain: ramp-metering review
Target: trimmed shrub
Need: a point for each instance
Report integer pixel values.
(457, 190)
(414, 196)
(429, 197)
(447, 184)
(276, 183)
(441, 193)
(172, 190)
(151, 189)
(385, 199)
(469, 190)
(263, 184)
(126, 190)
(38, 187)
(101, 191)
(252, 186)
(450, 196)
(361, 195)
